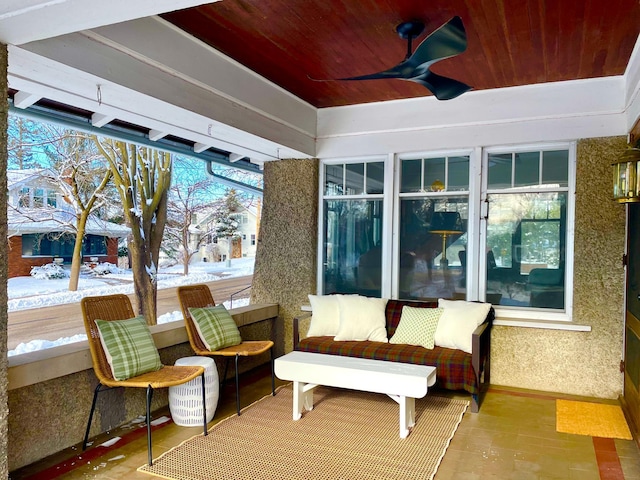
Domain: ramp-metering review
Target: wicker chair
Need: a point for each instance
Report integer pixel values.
(199, 296)
(118, 307)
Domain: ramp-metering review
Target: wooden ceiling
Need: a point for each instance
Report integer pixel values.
(294, 43)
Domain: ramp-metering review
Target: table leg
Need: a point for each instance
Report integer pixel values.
(407, 415)
(302, 398)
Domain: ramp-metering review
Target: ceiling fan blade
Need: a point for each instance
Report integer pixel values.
(395, 72)
(442, 87)
(447, 41)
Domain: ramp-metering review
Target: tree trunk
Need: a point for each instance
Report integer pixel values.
(76, 259)
(144, 284)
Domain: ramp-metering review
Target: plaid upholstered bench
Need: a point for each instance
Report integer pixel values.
(456, 369)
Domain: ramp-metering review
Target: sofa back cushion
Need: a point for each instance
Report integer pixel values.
(393, 312)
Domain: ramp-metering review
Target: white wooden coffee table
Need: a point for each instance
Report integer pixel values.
(403, 382)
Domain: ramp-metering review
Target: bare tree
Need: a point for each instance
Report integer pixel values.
(189, 199)
(143, 178)
(83, 177)
(74, 167)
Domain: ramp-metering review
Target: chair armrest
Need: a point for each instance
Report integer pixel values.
(296, 328)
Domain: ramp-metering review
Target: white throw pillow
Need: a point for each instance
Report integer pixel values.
(417, 326)
(362, 318)
(458, 321)
(325, 315)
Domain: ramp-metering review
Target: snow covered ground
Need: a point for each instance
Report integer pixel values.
(28, 292)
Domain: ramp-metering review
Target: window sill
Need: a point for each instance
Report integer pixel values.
(544, 324)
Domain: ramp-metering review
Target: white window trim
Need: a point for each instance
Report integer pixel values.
(514, 316)
(397, 196)
(476, 283)
(386, 213)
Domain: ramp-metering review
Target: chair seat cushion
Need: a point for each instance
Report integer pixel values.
(129, 347)
(216, 327)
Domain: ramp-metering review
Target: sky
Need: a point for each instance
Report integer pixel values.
(27, 292)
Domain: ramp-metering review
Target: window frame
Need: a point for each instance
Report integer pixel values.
(527, 314)
(397, 198)
(476, 227)
(388, 161)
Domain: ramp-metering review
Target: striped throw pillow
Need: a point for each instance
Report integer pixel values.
(216, 327)
(128, 346)
(417, 326)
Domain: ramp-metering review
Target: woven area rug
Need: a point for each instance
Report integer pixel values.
(593, 419)
(348, 435)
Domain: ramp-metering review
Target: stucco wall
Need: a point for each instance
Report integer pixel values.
(4, 412)
(584, 363)
(285, 266)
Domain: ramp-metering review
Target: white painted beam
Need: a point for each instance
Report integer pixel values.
(234, 157)
(632, 86)
(61, 83)
(100, 119)
(23, 21)
(559, 111)
(200, 147)
(156, 59)
(155, 135)
(24, 99)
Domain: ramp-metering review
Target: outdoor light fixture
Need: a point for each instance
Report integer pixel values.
(626, 176)
(445, 224)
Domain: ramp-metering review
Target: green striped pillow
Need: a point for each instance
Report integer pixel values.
(216, 327)
(128, 346)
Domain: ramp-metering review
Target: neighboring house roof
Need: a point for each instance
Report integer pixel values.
(22, 221)
(51, 220)
(32, 176)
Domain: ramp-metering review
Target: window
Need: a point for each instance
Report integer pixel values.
(253, 239)
(495, 228)
(432, 227)
(61, 245)
(38, 198)
(94, 245)
(352, 222)
(24, 197)
(40, 195)
(526, 228)
(52, 244)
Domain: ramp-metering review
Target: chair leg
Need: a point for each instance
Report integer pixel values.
(226, 368)
(237, 386)
(273, 375)
(204, 404)
(149, 396)
(93, 409)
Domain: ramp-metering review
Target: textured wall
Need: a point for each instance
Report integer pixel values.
(285, 266)
(52, 415)
(584, 363)
(4, 412)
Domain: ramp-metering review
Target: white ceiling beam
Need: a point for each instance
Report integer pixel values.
(200, 147)
(25, 99)
(234, 157)
(23, 21)
(63, 84)
(155, 135)
(100, 119)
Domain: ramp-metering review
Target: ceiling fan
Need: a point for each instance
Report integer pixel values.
(447, 41)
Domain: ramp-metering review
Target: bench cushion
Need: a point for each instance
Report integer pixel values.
(454, 370)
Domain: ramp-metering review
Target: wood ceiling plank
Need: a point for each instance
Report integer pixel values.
(510, 42)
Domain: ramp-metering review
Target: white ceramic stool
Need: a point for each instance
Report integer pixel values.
(185, 401)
